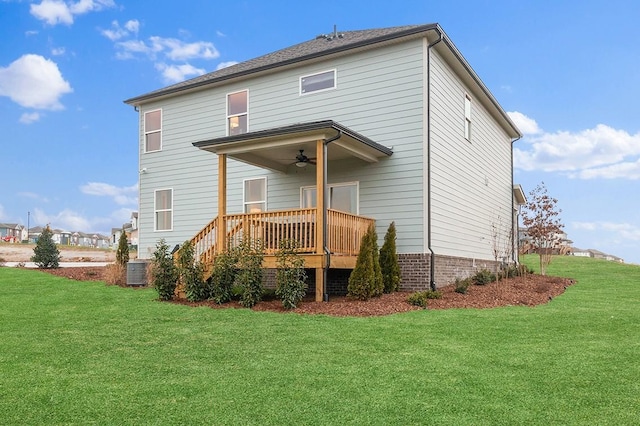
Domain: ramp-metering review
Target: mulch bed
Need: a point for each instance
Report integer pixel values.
(531, 290)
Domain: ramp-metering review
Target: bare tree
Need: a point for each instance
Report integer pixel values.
(544, 227)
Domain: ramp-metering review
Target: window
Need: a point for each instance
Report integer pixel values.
(255, 195)
(467, 117)
(342, 196)
(153, 131)
(237, 113)
(316, 82)
(163, 210)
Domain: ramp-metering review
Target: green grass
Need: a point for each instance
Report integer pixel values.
(85, 353)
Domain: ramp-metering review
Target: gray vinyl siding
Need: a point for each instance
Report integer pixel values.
(471, 180)
(379, 94)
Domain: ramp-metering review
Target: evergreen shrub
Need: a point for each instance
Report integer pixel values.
(46, 254)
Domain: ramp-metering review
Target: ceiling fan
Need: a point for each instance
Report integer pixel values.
(302, 160)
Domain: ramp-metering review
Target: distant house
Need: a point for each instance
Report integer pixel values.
(318, 141)
(12, 232)
(131, 230)
(580, 252)
(562, 243)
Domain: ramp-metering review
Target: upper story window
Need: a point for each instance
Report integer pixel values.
(153, 131)
(163, 208)
(342, 196)
(467, 117)
(237, 112)
(317, 82)
(255, 195)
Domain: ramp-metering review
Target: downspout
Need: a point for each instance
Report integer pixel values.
(515, 242)
(432, 260)
(325, 231)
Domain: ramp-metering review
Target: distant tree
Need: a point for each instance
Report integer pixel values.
(122, 253)
(46, 254)
(389, 261)
(544, 227)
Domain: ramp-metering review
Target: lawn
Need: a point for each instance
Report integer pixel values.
(86, 353)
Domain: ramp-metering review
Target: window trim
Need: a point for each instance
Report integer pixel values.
(335, 81)
(244, 194)
(156, 210)
(144, 124)
(229, 116)
(333, 185)
(467, 117)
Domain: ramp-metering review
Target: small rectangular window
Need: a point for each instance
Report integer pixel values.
(317, 82)
(467, 117)
(163, 207)
(153, 131)
(237, 113)
(255, 195)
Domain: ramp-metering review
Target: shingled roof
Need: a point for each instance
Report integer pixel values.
(322, 45)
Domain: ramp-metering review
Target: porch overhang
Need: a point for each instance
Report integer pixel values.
(276, 149)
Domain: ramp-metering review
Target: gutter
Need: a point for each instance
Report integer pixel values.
(515, 242)
(325, 230)
(432, 259)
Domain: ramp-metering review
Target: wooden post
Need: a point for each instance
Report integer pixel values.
(222, 203)
(320, 179)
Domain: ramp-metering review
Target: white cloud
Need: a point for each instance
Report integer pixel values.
(52, 12)
(601, 152)
(178, 73)
(34, 82)
(527, 126)
(117, 32)
(177, 50)
(220, 33)
(171, 48)
(225, 64)
(33, 196)
(66, 219)
(29, 117)
(617, 231)
(121, 195)
(30, 33)
(55, 12)
(58, 51)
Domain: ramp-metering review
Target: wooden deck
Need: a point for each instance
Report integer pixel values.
(344, 234)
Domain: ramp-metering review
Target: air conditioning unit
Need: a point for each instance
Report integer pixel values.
(137, 273)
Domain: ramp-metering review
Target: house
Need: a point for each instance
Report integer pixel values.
(319, 140)
(12, 233)
(561, 243)
(130, 228)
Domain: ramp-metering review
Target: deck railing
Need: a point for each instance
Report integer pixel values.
(344, 231)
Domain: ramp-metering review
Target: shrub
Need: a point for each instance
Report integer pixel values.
(365, 280)
(291, 277)
(483, 277)
(163, 272)
(389, 261)
(46, 254)
(224, 273)
(250, 272)
(191, 273)
(115, 274)
(122, 253)
(461, 286)
(420, 298)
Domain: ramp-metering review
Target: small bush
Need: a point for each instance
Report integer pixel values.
(164, 274)
(420, 298)
(191, 273)
(115, 274)
(122, 253)
(461, 286)
(389, 261)
(250, 272)
(46, 254)
(483, 277)
(365, 280)
(225, 269)
(291, 285)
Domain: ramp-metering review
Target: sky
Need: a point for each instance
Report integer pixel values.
(567, 72)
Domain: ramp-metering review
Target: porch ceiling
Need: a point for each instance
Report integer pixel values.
(276, 148)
